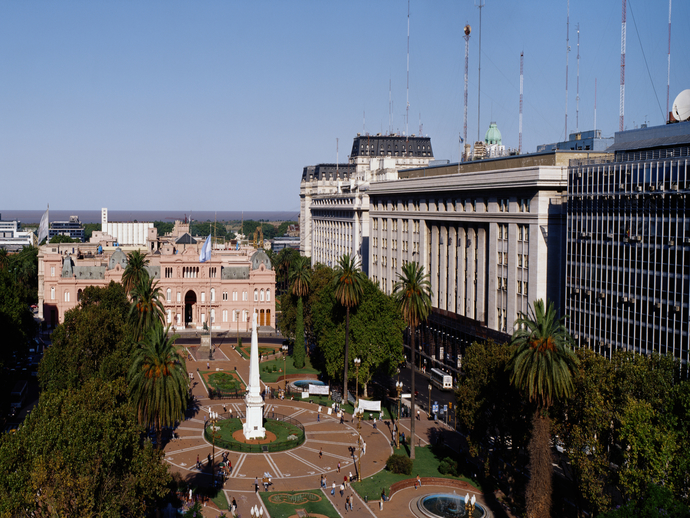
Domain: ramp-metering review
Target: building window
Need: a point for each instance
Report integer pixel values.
(213, 294)
(524, 204)
(213, 316)
(67, 296)
(268, 295)
(261, 295)
(168, 296)
(256, 296)
(168, 316)
(385, 224)
(168, 273)
(234, 296)
(225, 295)
(203, 296)
(244, 315)
(52, 293)
(52, 271)
(245, 296)
(234, 316)
(179, 296)
(225, 315)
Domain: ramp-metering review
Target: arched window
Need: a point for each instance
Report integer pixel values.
(268, 295)
(52, 293)
(261, 295)
(78, 295)
(234, 296)
(256, 295)
(168, 296)
(213, 294)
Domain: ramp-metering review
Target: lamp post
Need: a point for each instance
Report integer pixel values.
(285, 350)
(470, 504)
(213, 420)
(398, 388)
(429, 400)
(358, 414)
(357, 363)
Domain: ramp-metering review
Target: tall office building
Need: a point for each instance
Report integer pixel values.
(628, 244)
(334, 204)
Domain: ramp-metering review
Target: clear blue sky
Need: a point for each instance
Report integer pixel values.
(205, 105)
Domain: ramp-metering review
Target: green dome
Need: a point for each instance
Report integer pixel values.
(493, 136)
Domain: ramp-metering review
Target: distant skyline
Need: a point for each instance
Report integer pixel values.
(217, 106)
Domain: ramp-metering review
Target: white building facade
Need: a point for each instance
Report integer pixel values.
(334, 203)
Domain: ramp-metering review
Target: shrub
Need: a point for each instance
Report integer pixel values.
(448, 467)
(399, 464)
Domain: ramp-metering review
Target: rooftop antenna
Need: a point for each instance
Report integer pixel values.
(479, 83)
(407, 109)
(522, 54)
(390, 108)
(420, 124)
(622, 96)
(567, 54)
(468, 30)
(577, 95)
(668, 80)
(595, 104)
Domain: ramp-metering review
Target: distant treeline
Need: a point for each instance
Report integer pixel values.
(227, 229)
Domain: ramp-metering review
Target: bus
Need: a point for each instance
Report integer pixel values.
(18, 395)
(441, 380)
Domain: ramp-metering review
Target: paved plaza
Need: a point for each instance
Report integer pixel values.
(295, 469)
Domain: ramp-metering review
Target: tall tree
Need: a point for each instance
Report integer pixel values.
(135, 272)
(300, 281)
(147, 308)
(541, 368)
(349, 285)
(158, 383)
(412, 293)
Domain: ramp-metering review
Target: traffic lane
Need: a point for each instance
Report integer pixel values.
(422, 383)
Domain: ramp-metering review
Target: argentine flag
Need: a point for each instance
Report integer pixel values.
(205, 254)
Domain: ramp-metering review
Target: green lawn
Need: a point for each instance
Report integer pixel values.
(220, 500)
(313, 501)
(425, 465)
(245, 350)
(225, 381)
(282, 431)
(268, 376)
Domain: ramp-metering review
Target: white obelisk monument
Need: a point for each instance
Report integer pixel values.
(254, 423)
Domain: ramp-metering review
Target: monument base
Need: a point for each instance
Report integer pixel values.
(253, 427)
(204, 350)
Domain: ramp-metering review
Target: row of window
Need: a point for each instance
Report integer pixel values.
(259, 295)
(457, 205)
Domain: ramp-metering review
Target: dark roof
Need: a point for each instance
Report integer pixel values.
(391, 145)
(185, 239)
(328, 172)
(652, 137)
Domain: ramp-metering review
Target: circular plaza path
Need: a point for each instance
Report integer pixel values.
(295, 469)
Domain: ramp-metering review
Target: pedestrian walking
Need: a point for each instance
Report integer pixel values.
(364, 448)
(208, 366)
(342, 490)
(318, 417)
(234, 504)
(197, 461)
(333, 489)
(418, 419)
(338, 467)
(374, 423)
(342, 417)
(256, 484)
(321, 453)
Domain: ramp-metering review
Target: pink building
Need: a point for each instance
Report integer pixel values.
(230, 287)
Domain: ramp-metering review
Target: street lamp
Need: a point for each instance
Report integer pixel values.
(285, 350)
(469, 504)
(358, 413)
(429, 400)
(213, 419)
(398, 388)
(357, 363)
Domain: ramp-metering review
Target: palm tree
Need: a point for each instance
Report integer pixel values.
(349, 287)
(135, 271)
(300, 282)
(146, 309)
(541, 368)
(158, 383)
(412, 293)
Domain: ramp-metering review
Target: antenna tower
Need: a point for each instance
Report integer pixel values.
(522, 54)
(577, 95)
(479, 83)
(622, 98)
(567, 55)
(407, 109)
(668, 79)
(595, 103)
(468, 29)
(420, 124)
